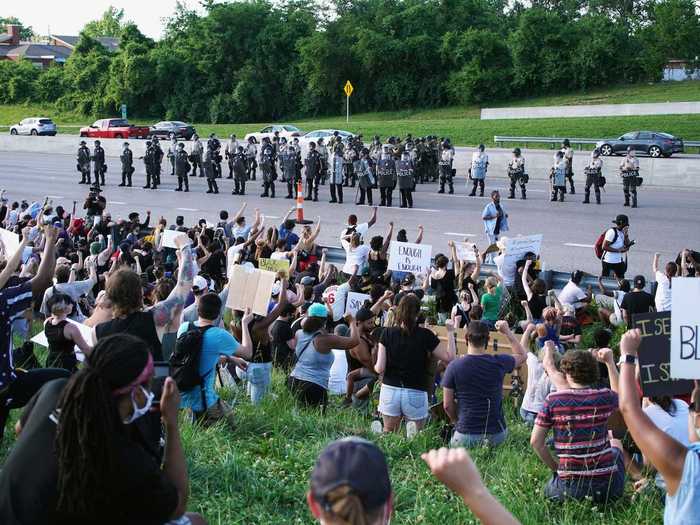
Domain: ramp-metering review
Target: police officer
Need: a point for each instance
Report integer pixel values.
(336, 176)
(568, 153)
(84, 163)
(267, 164)
(479, 166)
(348, 165)
(313, 171)
(157, 161)
(240, 169)
(182, 168)
(323, 154)
(516, 173)
(288, 163)
(281, 156)
(405, 172)
(366, 179)
(447, 156)
(172, 153)
(434, 149)
(386, 170)
(149, 160)
(593, 177)
(251, 153)
(215, 148)
(558, 177)
(196, 156)
(231, 149)
(127, 158)
(209, 171)
(98, 161)
(629, 169)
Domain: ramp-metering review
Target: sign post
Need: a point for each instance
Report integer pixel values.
(348, 91)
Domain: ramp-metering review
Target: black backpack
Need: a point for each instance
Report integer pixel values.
(184, 361)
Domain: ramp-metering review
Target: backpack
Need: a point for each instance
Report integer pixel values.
(598, 246)
(184, 360)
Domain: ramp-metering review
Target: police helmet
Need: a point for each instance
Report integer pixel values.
(97, 143)
(630, 149)
(566, 143)
(212, 135)
(445, 143)
(596, 152)
(82, 143)
(516, 151)
(364, 151)
(148, 143)
(181, 145)
(482, 147)
(125, 144)
(312, 145)
(560, 154)
(233, 135)
(376, 137)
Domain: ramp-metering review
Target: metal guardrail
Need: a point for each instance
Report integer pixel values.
(499, 140)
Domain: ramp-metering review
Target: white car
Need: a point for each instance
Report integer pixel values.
(34, 126)
(325, 134)
(284, 130)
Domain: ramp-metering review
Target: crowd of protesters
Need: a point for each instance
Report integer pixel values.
(116, 303)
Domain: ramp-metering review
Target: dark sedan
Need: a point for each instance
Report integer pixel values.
(172, 128)
(653, 143)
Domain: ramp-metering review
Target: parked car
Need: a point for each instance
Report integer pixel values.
(34, 126)
(653, 143)
(114, 128)
(285, 130)
(325, 134)
(172, 128)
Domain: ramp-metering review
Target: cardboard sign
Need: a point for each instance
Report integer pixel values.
(685, 328)
(167, 238)
(250, 289)
(409, 257)
(85, 331)
(655, 355)
(10, 242)
(517, 247)
(465, 251)
(275, 265)
(355, 302)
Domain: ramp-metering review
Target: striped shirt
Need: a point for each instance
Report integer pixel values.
(14, 300)
(579, 419)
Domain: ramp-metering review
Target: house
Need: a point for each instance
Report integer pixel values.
(55, 52)
(676, 69)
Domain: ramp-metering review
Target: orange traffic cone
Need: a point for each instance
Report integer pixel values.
(300, 204)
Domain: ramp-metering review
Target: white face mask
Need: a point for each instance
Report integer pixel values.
(140, 411)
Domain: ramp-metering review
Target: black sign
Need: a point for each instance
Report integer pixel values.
(655, 356)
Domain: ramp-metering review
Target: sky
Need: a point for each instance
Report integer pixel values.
(67, 17)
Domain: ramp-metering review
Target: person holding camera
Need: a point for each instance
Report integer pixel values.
(629, 170)
(615, 247)
(95, 203)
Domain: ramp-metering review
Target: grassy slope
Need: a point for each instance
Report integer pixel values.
(462, 124)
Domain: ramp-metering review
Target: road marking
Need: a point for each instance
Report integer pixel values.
(455, 234)
(576, 245)
(55, 196)
(270, 216)
(117, 202)
(186, 209)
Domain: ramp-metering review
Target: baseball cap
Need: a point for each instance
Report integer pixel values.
(199, 284)
(364, 314)
(622, 220)
(355, 463)
(317, 310)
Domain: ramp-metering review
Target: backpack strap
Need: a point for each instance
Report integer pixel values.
(613, 241)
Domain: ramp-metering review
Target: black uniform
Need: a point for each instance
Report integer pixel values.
(127, 159)
(267, 164)
(313, 173)
(517, 175)
(149, 160)
(98, 160)
(593, 178)
(386, 172)
(84, 164)
(404, 170)
(240, 169)
(215, 147)
(182, 168)
(158, 160)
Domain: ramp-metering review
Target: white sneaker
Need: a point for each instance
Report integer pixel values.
(376, 427)
(411, 429)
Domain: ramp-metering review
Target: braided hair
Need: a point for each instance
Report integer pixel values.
(89, 424)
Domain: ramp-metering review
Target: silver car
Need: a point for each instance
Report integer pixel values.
(34, 126)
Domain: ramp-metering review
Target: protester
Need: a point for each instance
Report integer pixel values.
(662, 299)
(62, 335)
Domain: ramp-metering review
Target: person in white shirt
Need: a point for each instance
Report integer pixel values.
(615, 247)
(353, 227)
(572, 294)
(662, 300)
(356, 254)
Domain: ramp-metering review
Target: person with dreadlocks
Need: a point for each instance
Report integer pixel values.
(77, 459)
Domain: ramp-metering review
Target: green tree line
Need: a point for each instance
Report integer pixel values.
(258, 60)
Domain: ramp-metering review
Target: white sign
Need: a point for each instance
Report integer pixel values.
(167, 238)
(685, 328)
(409, 257)
(465, 251)
(10, 242)
(355, 302)
(517, 247)
(85, 331)
(250, 289)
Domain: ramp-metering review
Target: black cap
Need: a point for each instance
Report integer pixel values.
(364, 314)
(95, 189)
(82, 143)
(622, 220)
(356, 463)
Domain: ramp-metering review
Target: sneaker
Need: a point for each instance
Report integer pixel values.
(411, 429)
(376, 427)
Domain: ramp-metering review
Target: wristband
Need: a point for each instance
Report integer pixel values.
(627, 359)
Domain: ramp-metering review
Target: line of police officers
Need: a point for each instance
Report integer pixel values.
(383, 166)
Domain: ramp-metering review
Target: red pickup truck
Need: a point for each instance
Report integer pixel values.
(114, 128)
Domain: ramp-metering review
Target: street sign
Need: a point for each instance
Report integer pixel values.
(123, 109)
(348, 88)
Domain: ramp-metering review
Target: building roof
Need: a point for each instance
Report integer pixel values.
(36, 51)
(110, 43)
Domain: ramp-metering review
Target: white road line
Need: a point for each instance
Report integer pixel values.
(186, 209)
(55, 196)
(271, 216)
(576, 245)
(455, 234)
(117, 202)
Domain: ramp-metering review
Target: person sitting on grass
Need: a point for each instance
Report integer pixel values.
(491, 300)
(460, 312)
(62, 335)
(678, 464)
(473, 388)
(539, 385)
(78, 450)
(361, 378)
(589, 464)
(549, 329)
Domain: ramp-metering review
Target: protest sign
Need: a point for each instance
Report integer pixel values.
(167, 238)
(250, 288)
(685, 325)
(655, 355)
(355, 302)
(275, 265)
(517, 247)
(10, 242)
(409, 257)
(465, 251)
(85, 331)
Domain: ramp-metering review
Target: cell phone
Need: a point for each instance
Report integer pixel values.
(161, 369)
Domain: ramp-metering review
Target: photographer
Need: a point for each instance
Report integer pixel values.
(95, 203)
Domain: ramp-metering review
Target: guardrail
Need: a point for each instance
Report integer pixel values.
(499, 140)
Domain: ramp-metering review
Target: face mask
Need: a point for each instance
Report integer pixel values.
(140, 411)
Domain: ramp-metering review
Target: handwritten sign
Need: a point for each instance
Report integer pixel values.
(409, 257)
(517, 247)
(685, 328)
(167, 238)
(655, 355)
(465, 251)
(275, 265)
(250, 288)
(85, 331)
(355, 302)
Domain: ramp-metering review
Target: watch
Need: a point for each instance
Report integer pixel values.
(628, 359)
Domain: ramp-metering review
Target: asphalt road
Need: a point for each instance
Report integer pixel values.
(666, 221)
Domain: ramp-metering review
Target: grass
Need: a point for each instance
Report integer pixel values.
(462, 123)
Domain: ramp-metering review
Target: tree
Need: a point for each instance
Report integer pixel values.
(111, 24)
(25, 32)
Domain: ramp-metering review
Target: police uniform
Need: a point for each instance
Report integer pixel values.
(406, 182)
(158, 160)
(593, 178)
(251, 153)
(446, 158)
(480, 163)
(569, 159)
(366, 178)
(196, 157)
(558, 176)
(434, 158)
(323, 154)
(215, 147)
(231, 149)
(83, 165)
(182, 168)
(99, 166)
(149, 160)
(516, 174)
(172, 153)
(336, 176)
(629, 169)
(267, 164)
(290, 164)
(313, 173)
(240, 170)
(127, 160)
(209, 170)
(348, 166)
(386, 173)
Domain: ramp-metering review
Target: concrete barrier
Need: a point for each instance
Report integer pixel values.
(592, 110)
(680, 172)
